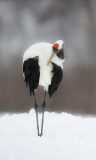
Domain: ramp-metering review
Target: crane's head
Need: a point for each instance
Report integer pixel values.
(57, 49)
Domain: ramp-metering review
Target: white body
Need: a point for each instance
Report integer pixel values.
(43, 51)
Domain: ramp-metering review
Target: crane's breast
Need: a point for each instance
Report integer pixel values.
(45, 72)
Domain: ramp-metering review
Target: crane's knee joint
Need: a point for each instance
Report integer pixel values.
(36, 106)
(44, 105)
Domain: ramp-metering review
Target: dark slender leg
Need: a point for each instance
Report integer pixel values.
(36, 110)
(43, 108)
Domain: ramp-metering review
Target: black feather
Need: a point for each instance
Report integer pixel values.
(56, 79)
(31, 71)
(60, 53)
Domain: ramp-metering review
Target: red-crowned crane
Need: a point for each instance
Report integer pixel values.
(43, 65)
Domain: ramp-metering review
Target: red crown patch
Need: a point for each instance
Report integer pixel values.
(56, 46)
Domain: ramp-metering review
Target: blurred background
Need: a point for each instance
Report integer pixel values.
(23, 23)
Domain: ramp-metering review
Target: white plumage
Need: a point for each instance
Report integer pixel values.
(42, 65)
(44, 51)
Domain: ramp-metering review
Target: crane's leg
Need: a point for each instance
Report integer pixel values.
(43, 108)
(36, 110)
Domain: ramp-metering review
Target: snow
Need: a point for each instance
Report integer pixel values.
(65, 137)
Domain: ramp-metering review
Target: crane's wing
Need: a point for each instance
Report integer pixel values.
(31, 72)
(56, 79)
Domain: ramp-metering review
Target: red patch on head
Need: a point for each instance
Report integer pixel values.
(56, 46)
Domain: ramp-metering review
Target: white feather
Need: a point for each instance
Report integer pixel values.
(43, 51)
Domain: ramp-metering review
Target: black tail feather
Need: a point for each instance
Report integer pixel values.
(32, 72)
(56, 79)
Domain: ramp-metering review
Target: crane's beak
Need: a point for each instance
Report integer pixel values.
(53, 53)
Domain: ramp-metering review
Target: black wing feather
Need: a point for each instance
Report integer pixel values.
(56, 79)
(31, 71)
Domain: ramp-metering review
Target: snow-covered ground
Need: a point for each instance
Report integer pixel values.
(66, 137)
